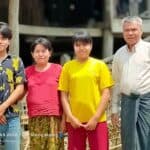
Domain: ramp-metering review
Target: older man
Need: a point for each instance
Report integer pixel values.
(131, 72)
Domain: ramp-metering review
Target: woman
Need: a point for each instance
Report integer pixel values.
(44, 108)
(85, 86)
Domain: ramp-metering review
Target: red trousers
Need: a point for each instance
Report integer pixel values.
(97, 139)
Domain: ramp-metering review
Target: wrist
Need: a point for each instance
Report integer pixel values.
(70, 117)
(96, 117)
(4, 105)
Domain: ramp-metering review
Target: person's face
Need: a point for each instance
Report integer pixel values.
(82, 50)
(132, 33)
(4, 43)
(41, 54)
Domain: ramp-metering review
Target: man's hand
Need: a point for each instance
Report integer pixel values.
(115, 119)
(2, 117)
(3, 120)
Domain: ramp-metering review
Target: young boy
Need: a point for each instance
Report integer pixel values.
(85, 91)
(11, 88)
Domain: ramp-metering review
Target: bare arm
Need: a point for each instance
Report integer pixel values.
(23, 93)
(66, 107)
(13, 98)
(91, 125)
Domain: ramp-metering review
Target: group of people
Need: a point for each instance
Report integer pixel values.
(73, 98)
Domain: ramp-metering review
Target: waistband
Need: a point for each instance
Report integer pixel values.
(136, 95)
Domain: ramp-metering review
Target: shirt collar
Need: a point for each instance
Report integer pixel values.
(134, 49)
(8, 57)
(138, 44)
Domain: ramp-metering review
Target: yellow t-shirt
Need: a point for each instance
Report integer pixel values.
(84, 83)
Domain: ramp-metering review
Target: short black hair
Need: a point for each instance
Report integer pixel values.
(5, 31)
(43, 41)
(82, 36)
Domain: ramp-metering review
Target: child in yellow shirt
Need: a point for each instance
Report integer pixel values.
(85, 91)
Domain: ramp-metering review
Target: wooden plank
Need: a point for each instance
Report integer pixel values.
(56, 31)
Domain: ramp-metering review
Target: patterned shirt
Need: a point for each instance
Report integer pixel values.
(11, 74)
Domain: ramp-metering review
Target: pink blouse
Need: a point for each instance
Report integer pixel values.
(43, 95)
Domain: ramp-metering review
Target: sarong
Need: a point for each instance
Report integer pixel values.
(135, 122)
(44, 133)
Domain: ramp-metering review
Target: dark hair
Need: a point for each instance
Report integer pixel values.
(82, 36)
(43, 41)
(5, 31)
